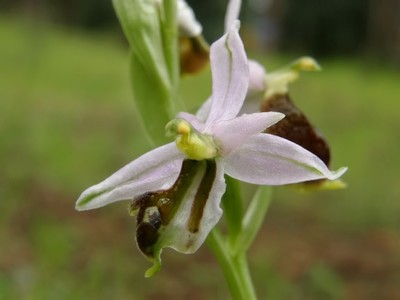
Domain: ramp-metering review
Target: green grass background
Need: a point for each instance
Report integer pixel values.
(67, 121)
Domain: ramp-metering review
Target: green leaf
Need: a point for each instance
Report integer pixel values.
(153, 67)
(141, 23)
(170, 38)
(150, 102)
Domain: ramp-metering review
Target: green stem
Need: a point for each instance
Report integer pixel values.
(253, 219)
(244, 271)
(232, 205)
(231, 251)
(235, 268)
(171, 50)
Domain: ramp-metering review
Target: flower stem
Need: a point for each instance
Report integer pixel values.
(235, 268)
(253, 219)
(230, 251)
(246, 281)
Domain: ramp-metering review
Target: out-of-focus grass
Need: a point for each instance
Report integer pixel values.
(67, 121)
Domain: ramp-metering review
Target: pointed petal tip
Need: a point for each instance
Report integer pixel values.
(82, 202)
(78, 206)
(277, 116)
(235, 25)
(336, 174)
(89, 198)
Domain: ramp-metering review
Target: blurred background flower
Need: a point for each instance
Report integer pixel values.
(67, 120)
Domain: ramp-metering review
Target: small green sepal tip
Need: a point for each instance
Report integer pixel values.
(153, 270)
(320, 185)
(305, 63)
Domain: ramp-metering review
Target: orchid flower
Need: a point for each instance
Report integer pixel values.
(177, 188)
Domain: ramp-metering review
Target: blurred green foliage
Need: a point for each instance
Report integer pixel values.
(67, 122)
(330, 27)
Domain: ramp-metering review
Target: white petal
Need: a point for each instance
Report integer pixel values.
(266, 159)
(257, 87)
(204, 110)
(232, 13)
(230, 76)
(154, 170)
(233, 133)
(188, 25)
(193, 120)
(254, 97)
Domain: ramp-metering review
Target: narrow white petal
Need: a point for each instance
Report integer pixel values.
(230, 76)
(257, 87)
(266, 159)
(232, 13)
(193, 120)
(204, 110)
(188, 25)
(154, 170)
(235, 132)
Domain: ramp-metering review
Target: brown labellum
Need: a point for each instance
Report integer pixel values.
(155, 210)
(295, 127)
(147, 231)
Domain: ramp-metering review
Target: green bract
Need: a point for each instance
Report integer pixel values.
(152, 32)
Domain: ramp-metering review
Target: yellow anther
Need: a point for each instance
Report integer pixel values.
(194, 144)
(183, 128)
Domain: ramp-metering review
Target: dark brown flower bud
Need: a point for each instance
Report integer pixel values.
(295, 127)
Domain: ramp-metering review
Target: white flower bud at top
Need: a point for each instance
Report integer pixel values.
(188, 25)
